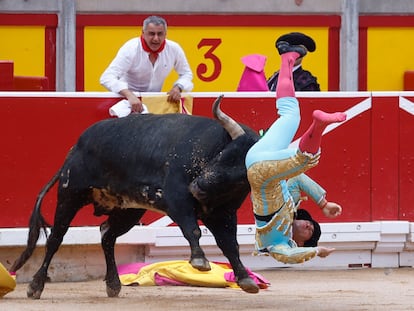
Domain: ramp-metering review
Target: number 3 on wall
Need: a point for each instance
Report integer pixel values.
(202, 68)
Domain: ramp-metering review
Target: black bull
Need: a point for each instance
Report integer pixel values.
(187, 167)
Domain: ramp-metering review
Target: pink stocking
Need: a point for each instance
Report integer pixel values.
(285, 87)
(311, 140)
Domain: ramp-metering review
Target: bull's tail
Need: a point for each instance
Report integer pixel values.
(37, 222)
(231, 126)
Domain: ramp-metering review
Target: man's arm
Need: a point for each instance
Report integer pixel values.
(110, 78)
(312, 189)
(305, 81)
(183, 69)
(185, 75)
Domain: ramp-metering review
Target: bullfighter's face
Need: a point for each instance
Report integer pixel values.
(154, 36)
(302, 231)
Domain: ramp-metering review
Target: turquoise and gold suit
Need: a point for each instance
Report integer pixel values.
(275, 172)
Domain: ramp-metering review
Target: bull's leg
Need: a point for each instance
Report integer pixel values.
(118, 223)
(63, 217)
(224, 229)
(192, 233)
(198, 258)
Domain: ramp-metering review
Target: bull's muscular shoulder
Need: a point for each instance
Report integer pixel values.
(137, 129)
(151, 122)
(152, 142)
(156, 130)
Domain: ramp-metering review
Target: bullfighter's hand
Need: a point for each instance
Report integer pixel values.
(174, 95)
(324, 251)
(332, 209)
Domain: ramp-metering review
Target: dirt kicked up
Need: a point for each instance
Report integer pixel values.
(291, 289)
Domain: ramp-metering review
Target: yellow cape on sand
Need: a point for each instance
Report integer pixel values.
(180, 271)
(7, 282)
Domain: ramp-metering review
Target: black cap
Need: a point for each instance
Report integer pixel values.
(302, 214)
(298, 38)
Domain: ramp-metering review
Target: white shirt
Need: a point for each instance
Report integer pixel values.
(131, 68)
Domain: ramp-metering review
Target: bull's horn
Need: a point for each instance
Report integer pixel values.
(231, 126)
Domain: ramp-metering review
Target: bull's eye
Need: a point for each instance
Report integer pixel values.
(158, 193)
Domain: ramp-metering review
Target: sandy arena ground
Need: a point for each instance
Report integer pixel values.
(330, 290)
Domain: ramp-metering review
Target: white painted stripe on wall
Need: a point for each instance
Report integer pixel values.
(406, 105)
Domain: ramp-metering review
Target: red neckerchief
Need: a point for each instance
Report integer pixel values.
(153, 54)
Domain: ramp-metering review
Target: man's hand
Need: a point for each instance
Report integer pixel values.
(135, 102)
(136, 105)
(332, 210)
(324, 251)
(174, 95)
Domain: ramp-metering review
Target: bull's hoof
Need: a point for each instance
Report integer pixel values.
(248, 285)
(200, 264)
(112, 292)
(33, 293)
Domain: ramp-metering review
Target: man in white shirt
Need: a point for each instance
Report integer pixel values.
(143, 63)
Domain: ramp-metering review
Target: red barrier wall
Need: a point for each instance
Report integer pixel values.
(366, 164)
